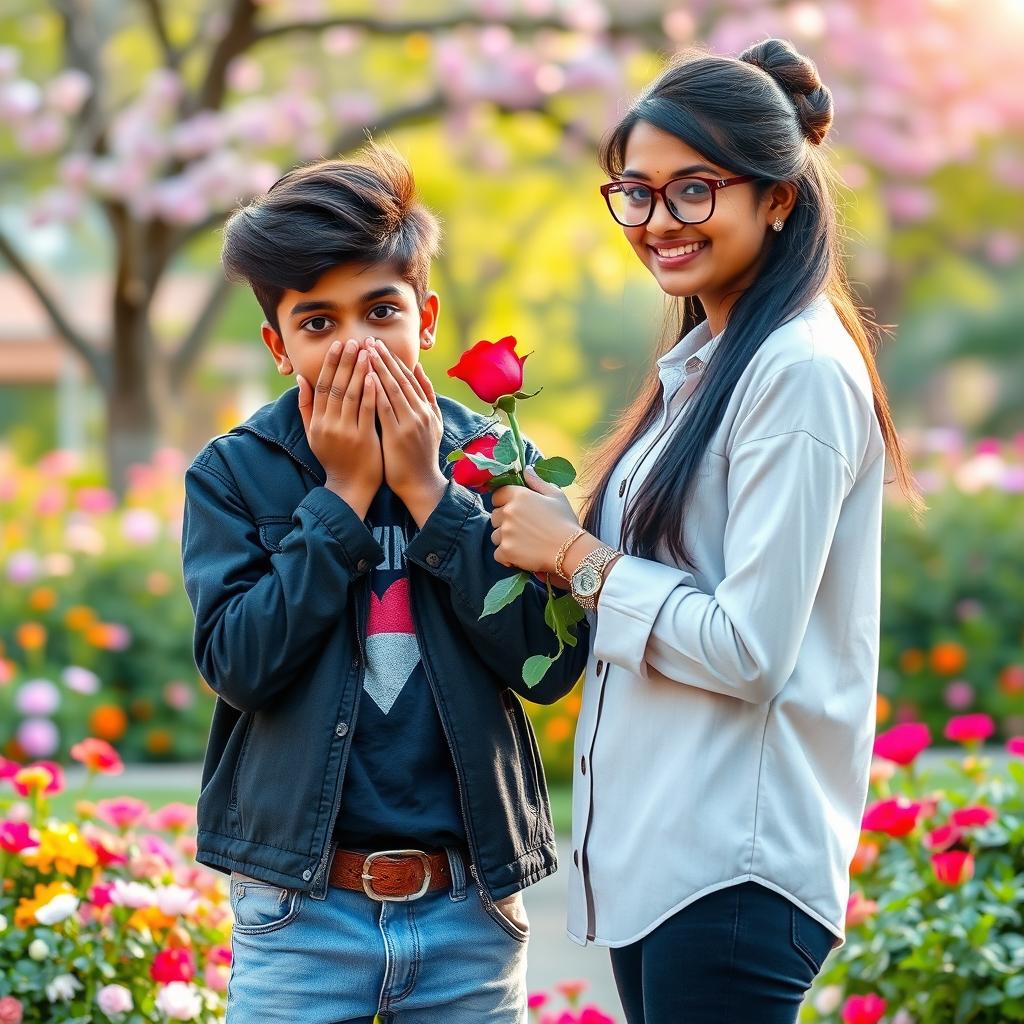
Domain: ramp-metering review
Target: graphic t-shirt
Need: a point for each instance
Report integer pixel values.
(400, 787)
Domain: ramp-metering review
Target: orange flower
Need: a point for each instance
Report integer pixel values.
(80, 617)
(1011, 679)
(866, 855)
(42, 599)
(108, 722)
(557, 729)
(159, 741)
(948, 659)
(912, 660)
(98, 756)
(31, 636)
(25, 913)
(883, 709)
(573, 703)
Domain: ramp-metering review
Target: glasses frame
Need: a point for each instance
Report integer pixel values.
(714, 184)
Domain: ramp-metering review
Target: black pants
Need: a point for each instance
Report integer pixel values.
(742, 955)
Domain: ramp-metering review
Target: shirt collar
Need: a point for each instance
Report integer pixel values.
(689, 355)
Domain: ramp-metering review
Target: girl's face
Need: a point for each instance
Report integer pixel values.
(713, 260)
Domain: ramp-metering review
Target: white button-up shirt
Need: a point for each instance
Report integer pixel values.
(729, 706)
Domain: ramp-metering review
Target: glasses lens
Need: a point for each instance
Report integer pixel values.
(690, 200)
(630, 203)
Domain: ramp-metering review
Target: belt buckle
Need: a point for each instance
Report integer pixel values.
(368, 877)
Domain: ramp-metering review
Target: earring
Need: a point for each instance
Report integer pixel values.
(777, 224)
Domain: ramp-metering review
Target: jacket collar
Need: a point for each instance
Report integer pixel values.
(279, 423)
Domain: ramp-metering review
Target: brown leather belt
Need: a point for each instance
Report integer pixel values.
(391, 875)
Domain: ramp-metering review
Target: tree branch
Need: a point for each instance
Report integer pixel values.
(77, 341)
(155, 11)
(194, 342)
(414, 113)
(237, 38)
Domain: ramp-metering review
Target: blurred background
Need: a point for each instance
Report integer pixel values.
(129, 129)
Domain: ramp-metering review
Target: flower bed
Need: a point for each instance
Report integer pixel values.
(105, 917)
(935, 922)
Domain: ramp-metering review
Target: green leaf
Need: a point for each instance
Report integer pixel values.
(561, 614)
(557, 471)
(511, 477)
(505, 450)
(507, 404)
(504, 592)
(455, 455)
(523, 394)
(535, 668)
(482, 462)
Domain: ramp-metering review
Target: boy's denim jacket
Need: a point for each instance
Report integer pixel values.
(277, 570)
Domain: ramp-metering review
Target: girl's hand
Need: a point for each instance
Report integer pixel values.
(411, 427)
(531, 523)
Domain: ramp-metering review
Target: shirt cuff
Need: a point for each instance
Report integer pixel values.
(632, 595)
(432, 547)
(358, 545)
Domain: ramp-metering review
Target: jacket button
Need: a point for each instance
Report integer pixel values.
(583, 765)
(362, 565)
(307, 875)
(433, 559)
(341, 729)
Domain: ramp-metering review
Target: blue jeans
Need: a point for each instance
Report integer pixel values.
(446, 958)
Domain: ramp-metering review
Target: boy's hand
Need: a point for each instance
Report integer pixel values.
(339, 416)
(411, 426)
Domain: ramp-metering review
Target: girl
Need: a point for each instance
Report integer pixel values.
(729, 559)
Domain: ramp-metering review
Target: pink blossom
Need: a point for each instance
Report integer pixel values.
(16, 836)
(37, 697)
(81, 680)
(970, 728)
(114, 999)
(38, 737)
(23, 567)
(175, 817)
(975, 816)
(68, 91)
(122, 812)
(95, 500)
(959, 694)
(1015, 746)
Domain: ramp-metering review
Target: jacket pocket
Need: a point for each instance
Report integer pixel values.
(233, 797)
(273, 532)
(529, 758)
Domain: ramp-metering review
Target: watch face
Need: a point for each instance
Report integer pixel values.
(587, 581)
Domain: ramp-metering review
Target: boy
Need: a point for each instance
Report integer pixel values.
(371, 781)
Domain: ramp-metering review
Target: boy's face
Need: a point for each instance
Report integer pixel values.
(354, 300)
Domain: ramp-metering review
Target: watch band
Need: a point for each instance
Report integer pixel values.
(588, 579)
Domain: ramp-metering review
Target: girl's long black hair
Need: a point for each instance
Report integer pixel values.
(763, 114)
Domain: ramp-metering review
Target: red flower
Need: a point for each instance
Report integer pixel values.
(970, 728)
(98, 756)
(943, 837)
(896, 817)
(953, 867)
(868, 1009)
(16, 836)
(466, 473)
(859, 909)
(903, 743)
(973, 817)
(491, 369)
(172, 965)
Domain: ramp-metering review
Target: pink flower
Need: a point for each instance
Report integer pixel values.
(122, 812)
(571, 990)
(859, 910)
(173, 818)
(896, 817)
(172, 965)
(953, 867)
(970, 728)
(10, 1010)
(863, 1009)
(903, 743)
(100, 895)
(95, 500)
(38, 737)
(975, 816)
(1015, 746)
(114, 999)
(16, 836)
(592, 1015)
(56, 781)
(943, 837)
(98, 756)
(536, 1000)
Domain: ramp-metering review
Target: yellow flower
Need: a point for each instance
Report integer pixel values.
(25, 913)
(79, 617)
(61, 848)
(31, 636)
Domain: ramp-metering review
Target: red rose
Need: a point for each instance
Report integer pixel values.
(943, 837)
(973, 817)
(868, 1009)
(172, 965)
(954, 867)
(466, 473)
(970, 728)
(491, 369)
(896, 817)
(903, 743)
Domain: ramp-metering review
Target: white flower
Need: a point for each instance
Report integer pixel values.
(114, 999)
(3, 923)
(174, 900)
(63, 987)
(179, 1001)
(131, 894)
(60, 908)
(38, 950)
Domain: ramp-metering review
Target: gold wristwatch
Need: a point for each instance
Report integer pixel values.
(588, 578)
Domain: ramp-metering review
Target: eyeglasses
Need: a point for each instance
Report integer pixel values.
(689, 200)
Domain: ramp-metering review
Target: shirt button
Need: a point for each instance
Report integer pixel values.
(362, 565)
(433, 559)
(583, 765)
(599, 667)
(576, 857)
(341, 729)
(307, 875)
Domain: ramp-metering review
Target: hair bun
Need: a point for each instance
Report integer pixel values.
(799, 77)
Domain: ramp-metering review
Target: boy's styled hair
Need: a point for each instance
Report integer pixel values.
(325, 214)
